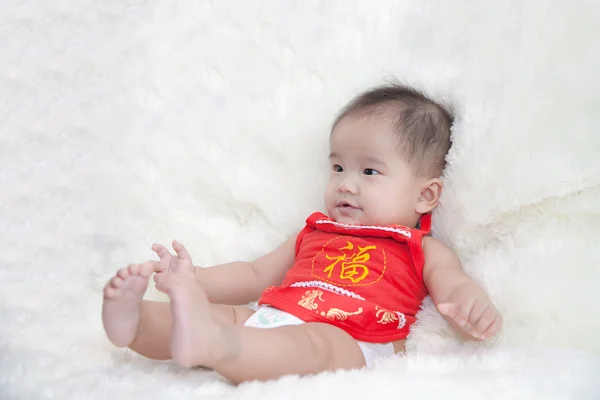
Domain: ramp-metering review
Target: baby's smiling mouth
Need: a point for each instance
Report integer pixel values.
(346, 205)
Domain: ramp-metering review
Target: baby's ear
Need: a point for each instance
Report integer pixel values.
(430, 195)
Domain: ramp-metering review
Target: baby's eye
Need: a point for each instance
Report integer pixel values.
(370, 171)
(337, 168)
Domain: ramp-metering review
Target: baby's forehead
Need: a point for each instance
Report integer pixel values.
(378, 147)
(367, 124)
(365, 129)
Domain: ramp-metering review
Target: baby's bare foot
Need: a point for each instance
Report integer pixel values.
(196, 338)
(122, 300)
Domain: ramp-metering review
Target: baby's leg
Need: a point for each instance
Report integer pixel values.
(242, 353)
(254, 353)
(145, 326)
(152, 338)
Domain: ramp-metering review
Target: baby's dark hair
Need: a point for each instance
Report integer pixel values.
(422, 125)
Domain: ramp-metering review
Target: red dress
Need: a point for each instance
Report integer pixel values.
(366, 280)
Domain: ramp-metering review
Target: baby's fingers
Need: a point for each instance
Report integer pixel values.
(150, 267)
(181, 251)
(451, 310)
(494, 327)
(478, 311)
(483, 322)
(160, 250)
(456, 312)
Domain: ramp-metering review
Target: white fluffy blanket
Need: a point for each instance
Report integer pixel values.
(127, 122)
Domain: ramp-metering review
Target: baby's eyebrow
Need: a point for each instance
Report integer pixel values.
(332, 155)
(374, 160)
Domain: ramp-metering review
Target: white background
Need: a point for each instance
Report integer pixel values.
(125, 123)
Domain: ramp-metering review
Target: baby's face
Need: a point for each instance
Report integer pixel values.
(370, 183)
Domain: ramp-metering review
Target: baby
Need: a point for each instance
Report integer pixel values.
(340, 294)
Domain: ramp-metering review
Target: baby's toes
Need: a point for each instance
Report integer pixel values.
(134, 269)
(146, 269)
(116, 282)
(109, 292)
(124, 273)
(112, 286)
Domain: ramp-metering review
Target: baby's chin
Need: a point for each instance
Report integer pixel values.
(356, 218)
(346, 219)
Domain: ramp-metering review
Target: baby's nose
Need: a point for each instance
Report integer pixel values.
(348, 185)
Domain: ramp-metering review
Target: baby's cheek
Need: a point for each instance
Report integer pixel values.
(329, 202)
(374, 207)
(384, 207)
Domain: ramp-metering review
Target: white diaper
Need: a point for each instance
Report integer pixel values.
(267, 317)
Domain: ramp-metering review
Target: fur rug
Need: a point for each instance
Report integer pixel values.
(139, 121)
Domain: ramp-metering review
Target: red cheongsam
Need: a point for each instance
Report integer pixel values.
(366, 280)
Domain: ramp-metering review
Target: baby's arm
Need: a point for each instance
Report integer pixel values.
(457, 297)
(241, 282)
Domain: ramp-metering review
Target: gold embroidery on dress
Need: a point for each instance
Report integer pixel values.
(387, 316)
(354, 266)
(308, 300)
(340, 315)
(350, 268)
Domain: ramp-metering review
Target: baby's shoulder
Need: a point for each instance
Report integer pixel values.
(435, 249)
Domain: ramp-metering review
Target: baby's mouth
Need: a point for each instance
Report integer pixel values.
(345, 205)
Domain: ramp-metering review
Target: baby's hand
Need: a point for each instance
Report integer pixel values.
(477, 317)
(170, 263)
